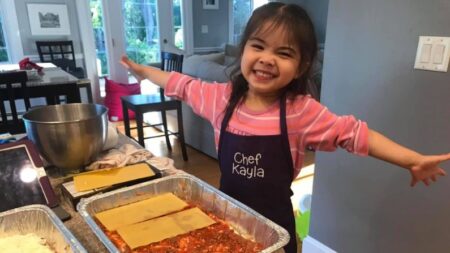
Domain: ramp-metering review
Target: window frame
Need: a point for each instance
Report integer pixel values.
(11, 31)
(231, 19)
(3, 37)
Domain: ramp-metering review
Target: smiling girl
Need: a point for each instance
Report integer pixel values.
(264, 118)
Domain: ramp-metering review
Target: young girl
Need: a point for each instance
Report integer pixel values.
(264, 120)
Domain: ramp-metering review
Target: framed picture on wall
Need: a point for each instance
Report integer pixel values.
(48, 19)
(211, 4)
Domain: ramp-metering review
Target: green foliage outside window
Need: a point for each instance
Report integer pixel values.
(179, 41)
(177, 24)
(97, 25)
(141, 31)
(3, 51)
(242, 10)
(3, 55)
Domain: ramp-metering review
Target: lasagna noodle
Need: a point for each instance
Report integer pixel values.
(168, 226)
(140, 211)
(107, 177)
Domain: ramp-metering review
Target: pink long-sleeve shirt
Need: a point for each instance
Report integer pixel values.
(309, 123)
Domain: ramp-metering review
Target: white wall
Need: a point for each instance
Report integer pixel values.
(361, 204)
(29, 41)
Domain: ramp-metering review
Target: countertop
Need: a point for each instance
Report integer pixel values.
(76, 223)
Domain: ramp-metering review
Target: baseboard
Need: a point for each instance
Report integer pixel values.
(311, 245)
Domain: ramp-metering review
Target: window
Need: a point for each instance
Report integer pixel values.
(258, 3)
(140, 27)
(99, 36)
(3, 46)
(242, 9)
(141, 30)
(177, 24)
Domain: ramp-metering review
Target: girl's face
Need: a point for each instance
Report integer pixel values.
(269, 62)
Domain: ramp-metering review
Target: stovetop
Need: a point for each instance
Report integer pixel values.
(19, 184)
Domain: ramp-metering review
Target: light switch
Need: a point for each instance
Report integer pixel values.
(438, 54)
(425, 55)
(433, 53)
(204, 29)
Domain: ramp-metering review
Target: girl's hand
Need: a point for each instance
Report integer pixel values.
(132, 67)
(422, 168)
(428, 168)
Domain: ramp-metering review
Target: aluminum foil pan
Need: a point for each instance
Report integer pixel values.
(243, 219)
(39, 220)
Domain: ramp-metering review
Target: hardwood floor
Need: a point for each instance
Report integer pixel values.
(198, 164)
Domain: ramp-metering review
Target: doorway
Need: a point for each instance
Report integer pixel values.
(140, 29)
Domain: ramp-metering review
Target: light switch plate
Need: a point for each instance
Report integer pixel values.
(204, 29)
(433, 53)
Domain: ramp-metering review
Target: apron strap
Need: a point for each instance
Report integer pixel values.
(223, 127)
(285, 134)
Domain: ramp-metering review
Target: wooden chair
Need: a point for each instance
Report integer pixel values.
(62, 54)
(141, 104)
(8, 93)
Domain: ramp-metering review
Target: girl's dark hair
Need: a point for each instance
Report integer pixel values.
(300, 31)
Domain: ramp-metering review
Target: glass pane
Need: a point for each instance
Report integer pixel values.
(242, 9)
(3, 50)
(241, 13)
(2, 37)
(258, 3)
(3, 55)
(178, 23)
(141, 30)
(99, 35)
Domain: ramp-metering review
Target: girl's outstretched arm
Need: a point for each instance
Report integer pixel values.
(422, 168)
(141, 72)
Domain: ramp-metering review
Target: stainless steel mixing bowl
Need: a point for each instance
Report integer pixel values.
(68, 136)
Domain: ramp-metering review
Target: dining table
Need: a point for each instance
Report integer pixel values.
(51, 83)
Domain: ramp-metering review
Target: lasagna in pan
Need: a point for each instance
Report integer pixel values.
(165, 223)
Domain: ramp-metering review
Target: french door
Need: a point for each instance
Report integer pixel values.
(139, 28)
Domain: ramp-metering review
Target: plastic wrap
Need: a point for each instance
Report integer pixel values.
(41, 221)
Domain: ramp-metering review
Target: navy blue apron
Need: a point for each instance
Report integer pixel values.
(258, 171)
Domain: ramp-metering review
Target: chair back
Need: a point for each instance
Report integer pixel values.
(49, 51)
(64, 64)
(170, 62)
(9, 93)
(60, 53)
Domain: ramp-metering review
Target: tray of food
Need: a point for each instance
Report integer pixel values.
(178, 213)
(35, 228)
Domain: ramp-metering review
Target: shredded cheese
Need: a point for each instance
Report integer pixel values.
(24, 244)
